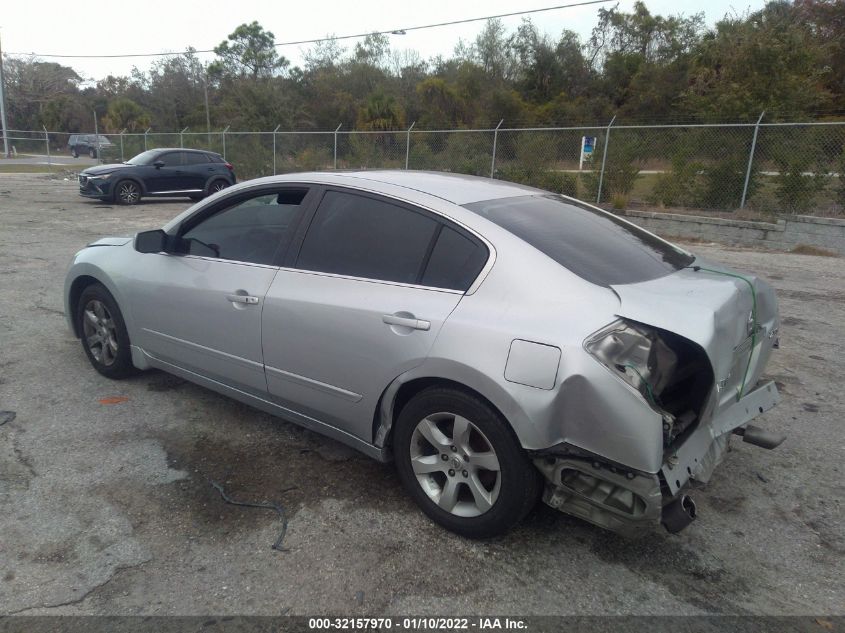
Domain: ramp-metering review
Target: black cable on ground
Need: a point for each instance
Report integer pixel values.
(270, 506)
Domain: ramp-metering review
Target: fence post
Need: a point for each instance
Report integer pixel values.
(335, 144)
(274, 147)
(47, 143)
(750, 160)
(408, 145)
(97, 136)
(181, 140)
(604, 158)
(495, 140)
(121, 144)
(224, 140)
(145, 137)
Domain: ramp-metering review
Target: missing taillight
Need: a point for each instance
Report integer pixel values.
(672, 374)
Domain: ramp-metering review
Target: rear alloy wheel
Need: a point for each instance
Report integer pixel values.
(74, 153)
(92, 153)
(127, 192)
(462, 464)
(103, 332)
(451, 457)
(217, 185)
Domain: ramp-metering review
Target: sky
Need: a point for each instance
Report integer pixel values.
(122, 27)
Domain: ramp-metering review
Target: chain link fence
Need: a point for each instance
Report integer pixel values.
(766, 167)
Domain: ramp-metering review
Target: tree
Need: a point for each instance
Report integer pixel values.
(125, 114)
(249, 51)
(381, 112)
(32, 84)
(494, 52)
(767, 61)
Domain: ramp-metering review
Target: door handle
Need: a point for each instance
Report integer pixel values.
(249, 300)
(415, 324)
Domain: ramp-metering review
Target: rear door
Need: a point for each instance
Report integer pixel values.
(201, 310)
(362, 303)
(198, 169)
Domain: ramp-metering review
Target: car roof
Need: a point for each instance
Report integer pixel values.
(183, 149)
(458, 189)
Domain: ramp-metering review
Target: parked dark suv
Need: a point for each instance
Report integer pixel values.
(158, 172)
(87, 144)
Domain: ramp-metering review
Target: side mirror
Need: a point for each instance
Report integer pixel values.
(151, 241)
(158, 164)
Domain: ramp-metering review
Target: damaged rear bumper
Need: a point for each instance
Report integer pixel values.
(631, 502)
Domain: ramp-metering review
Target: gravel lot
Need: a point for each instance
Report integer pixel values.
(106, 505)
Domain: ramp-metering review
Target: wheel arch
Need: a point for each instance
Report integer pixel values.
(213, 178)
(133, 178)
(452, 375)
(85, 276)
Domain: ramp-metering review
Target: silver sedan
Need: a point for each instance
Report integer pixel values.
(500, 343)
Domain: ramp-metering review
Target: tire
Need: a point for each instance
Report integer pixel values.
(484, 502)
(217, 185)
(103, 333)
(74, 153)
(127, 192)
(92, 153)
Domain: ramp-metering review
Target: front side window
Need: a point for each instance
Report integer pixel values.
(144, 158)
(252, 230)
(171, 159)
(360, 236)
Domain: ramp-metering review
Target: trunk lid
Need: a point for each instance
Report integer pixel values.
(706, 304)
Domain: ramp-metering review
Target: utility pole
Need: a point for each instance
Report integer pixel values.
(207, 114)
(3, 108)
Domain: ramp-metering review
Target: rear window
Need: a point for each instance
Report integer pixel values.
(594, 245)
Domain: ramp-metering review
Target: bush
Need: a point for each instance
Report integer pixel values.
(723, 182)
(467, 153)
(680, 186)
(620, 171)
(314, 158)
(554, 181)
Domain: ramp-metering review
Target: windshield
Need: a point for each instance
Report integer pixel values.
(593, 244)
(144, 158)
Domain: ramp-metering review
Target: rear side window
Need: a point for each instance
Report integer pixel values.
(363, 237)
(594, 245)
(455, 261)
(193, 158)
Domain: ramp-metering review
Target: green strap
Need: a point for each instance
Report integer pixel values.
(646, 383)
(753, 319)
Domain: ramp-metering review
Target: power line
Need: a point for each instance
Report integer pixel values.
(399, 31)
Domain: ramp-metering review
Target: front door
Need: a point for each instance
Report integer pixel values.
(170, 177)
(201, 310)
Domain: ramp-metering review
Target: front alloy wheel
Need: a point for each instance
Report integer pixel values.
(103, 331)
(128, 192)
(99, 331)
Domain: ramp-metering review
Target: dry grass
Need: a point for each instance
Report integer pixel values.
(806, 249)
